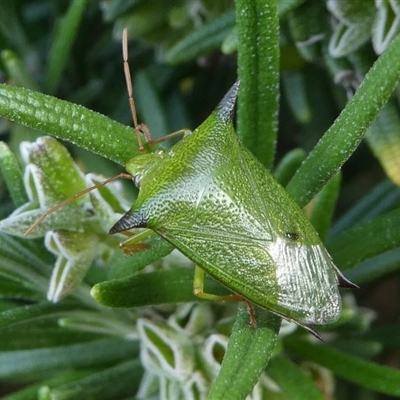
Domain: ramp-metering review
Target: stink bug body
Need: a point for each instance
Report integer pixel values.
(215, 202)
(218, 205)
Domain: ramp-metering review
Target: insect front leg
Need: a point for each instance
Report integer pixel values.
(135, 243)
(198, 290)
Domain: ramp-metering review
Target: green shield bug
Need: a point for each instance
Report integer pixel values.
(215, 202)
(218, 205)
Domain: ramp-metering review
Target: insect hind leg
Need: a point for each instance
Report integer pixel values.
(198, 290)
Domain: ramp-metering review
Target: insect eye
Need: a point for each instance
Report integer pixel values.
(136, 180)
(292, 235)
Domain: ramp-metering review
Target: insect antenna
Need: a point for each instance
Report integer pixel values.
(68, 200)
(138, 128)
(141, 128)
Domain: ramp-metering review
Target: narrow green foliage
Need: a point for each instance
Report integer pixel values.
(361, 241)
(323, 206)
(30, 392)
(153, 288)
(16, 70)
(284, 6)
(294, 86)
(26, 362)
(63, 40)
(258, 58)
(386, 24)
(110, 383)
(366, 373)
(149, 105)
(355, 21)
(209, 37)
(79, 125)
(384, 139)
(339, 142)
(122, 266)
(307, 23)
(26, 313)
(248, 352)
(376, 267)
(294, 382)
(379, 200)
(11, 172)
(289, 164)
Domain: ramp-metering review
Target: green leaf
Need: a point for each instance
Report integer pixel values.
(230, 42)
(383, 137)
(12, 174)
(364, 373)
(149, 105)
(292, 380)
(343, 137)
(359, 347)
(63, 40)
(289, 164)
(387, 335)
(248, 352)
(361, 241)
(307, 25)
(26, 313)
(24, 262)
(353, 28)
(111, 383)
(76, 252)
(16, 70)
(11, 289)
(379, 200)
(27, 253)
(386, 24)
(25, 362)
(295, 90)
(153, 288)
(100, 323)
(31, 392)
(39, 335)
(284, 6)
(11, 25)
(323, 206)
(78, 125)
(258, 58)
(203, 40)
(375, 267)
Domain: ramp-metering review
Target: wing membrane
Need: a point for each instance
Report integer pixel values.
(239, 262)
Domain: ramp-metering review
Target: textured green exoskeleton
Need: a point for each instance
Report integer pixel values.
(219, 206)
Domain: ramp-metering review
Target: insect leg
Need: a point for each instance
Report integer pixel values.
(198, 290)
(135, 243)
